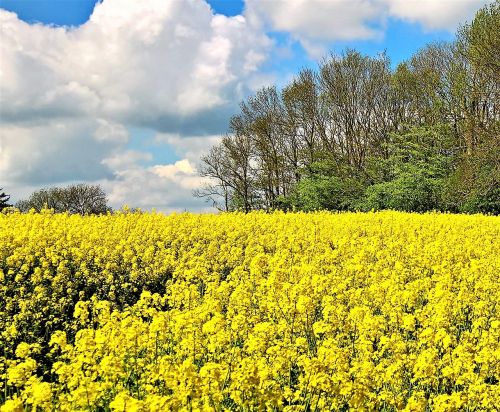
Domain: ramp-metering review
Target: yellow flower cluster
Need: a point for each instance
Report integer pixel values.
(264, 311)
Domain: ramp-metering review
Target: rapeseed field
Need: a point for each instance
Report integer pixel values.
(249, 312)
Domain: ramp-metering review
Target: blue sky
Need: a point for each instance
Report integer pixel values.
(76, 12)
(130, 93)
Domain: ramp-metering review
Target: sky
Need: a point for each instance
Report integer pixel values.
(130, 94)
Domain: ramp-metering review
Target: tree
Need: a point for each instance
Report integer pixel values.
(4, 198)
(356, 96)
(357, 134)
(319, 189)
(80, 199)
(304, 121)
(412, 176)
(479, 41)
(230, 174)
(474, 186)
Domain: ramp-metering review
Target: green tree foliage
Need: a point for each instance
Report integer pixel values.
(80, 199)
(411, 191)
(357, 134)
(413, 174)
(475, 184)
(319, 189)
(480, 40)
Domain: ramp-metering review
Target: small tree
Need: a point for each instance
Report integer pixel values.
(4, 198)
(80, 199)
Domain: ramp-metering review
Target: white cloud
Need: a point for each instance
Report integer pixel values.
(126, 160)
(131, 59)
(180, 167)
(435, 14)
(188, 147)
(56, 151)
(319, 19)
(70, 95)
(110, 131)
(316, 23)
(181, 172)
(166, 187)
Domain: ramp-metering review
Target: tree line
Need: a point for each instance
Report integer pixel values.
(82, 198)
(358, 135)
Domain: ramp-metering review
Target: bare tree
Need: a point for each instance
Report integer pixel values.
(228, 166)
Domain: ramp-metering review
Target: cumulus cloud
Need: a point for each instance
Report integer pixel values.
(165, 187)
(181, 172)
(315, 23)
(127, 159)
(328, 20)
(188, 147)
(138, 60)
(434, 14)
(71, 95)
(54, 151)
(111, 131)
